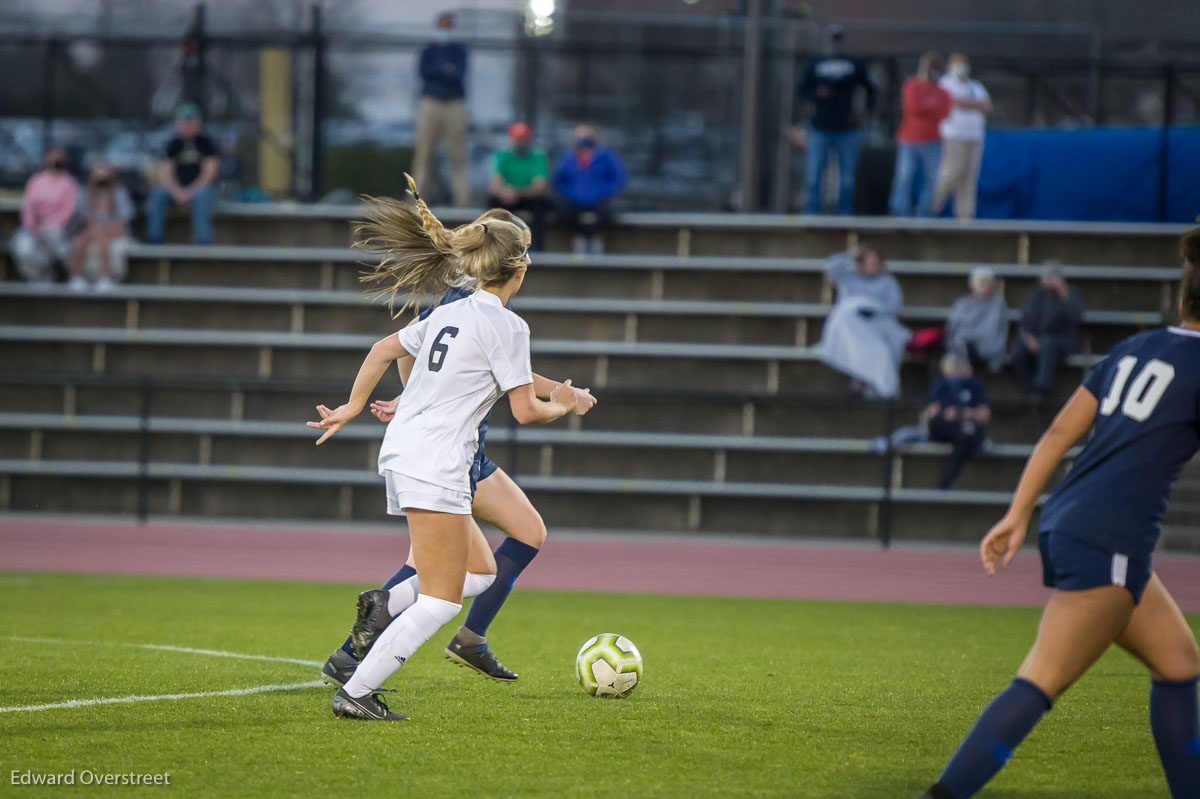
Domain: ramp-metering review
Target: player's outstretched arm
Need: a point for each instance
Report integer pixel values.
(1073, 421)
(543, 387)
(382, 353)
(528, 409)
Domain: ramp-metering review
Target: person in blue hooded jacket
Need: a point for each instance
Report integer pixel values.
(587, 178)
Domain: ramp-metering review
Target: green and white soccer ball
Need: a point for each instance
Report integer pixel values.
(609, 665)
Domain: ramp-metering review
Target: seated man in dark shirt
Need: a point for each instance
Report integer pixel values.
(958, 414)
(1049, 331)
(185, 178)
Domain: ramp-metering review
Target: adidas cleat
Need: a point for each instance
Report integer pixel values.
(479, 658)
(338, 668)
(365, 708)
(373, 618)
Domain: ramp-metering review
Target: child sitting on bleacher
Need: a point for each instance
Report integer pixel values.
(958, 414)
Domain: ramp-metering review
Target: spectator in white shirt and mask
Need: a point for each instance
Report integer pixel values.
(962, 139)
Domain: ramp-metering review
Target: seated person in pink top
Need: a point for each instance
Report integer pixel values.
(46, 211)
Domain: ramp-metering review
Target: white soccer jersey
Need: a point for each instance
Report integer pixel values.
(468, 354)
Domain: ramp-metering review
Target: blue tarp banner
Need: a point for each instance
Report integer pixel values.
(1100, 174)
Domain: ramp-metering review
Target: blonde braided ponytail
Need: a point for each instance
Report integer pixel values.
(420, 257)
(415, 253)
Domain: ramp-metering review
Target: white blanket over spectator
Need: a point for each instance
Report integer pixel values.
(862, 337)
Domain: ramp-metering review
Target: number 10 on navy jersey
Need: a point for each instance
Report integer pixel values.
(1147, 389)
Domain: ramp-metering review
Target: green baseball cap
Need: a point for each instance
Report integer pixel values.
(187, 111)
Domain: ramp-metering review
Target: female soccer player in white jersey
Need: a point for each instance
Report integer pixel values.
(497, 500)
(1096, 536)
(467, 354)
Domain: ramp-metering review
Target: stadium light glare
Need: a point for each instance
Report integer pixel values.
(539, 17)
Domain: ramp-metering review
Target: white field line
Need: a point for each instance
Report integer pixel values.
(163, 648)
(119, 700)
(258, 689)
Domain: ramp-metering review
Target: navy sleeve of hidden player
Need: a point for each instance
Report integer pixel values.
(452, 294)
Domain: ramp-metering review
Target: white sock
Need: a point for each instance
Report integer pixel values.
(476, 584)
(402, 595)
(399, 641)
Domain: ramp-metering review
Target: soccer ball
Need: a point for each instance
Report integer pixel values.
(609, 665)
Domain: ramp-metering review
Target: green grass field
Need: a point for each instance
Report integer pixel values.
(740, 698)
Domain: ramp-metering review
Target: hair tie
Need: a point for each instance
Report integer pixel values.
(485, 228)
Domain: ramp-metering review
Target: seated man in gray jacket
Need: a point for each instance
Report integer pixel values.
(1049, 332)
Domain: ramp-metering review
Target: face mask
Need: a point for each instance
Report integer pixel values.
(586, 143)
(104, 183)
(443, 34)
(960, 71)
(60, 165)
(521, 150)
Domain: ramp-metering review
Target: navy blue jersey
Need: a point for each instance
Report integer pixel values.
(452, 295)
(958, 392)
(1147, 428)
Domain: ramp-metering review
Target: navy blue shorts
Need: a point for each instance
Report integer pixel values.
(1070, 564)
(481, 469)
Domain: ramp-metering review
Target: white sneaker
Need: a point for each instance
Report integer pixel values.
(78, 284)
(105, 285)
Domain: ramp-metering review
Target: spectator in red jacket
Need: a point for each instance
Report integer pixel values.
(918, 144)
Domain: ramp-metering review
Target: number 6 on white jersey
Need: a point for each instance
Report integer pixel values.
(1147, 389)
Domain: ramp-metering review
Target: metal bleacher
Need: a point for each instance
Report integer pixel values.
(184, 391)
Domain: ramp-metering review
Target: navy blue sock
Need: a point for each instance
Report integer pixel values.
(990, 743)
(511, 559)
(1176, 726)
(405, 572)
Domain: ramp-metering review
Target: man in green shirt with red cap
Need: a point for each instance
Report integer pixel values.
(518, 180)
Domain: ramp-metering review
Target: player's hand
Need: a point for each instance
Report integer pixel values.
(332, 421)
(566, 396)
(384, 410)
(1032, 344)
(798, 137)
(1001, 543)
(583, 400)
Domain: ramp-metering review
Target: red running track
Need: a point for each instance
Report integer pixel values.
(651, 564)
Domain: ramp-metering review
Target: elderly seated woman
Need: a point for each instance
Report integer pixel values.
(977, 329)
(862, 337)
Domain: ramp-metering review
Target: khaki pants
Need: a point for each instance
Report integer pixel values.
(958, 173)
(439, 120)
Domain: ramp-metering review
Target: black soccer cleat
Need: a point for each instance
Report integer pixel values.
(338, 668)
(373, 618)
(937, 791)
(365, 708)
(480, 658)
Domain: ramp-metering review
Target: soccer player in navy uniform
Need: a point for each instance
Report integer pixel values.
(1096, 536)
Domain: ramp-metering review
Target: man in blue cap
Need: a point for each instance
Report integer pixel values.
(185, 178)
